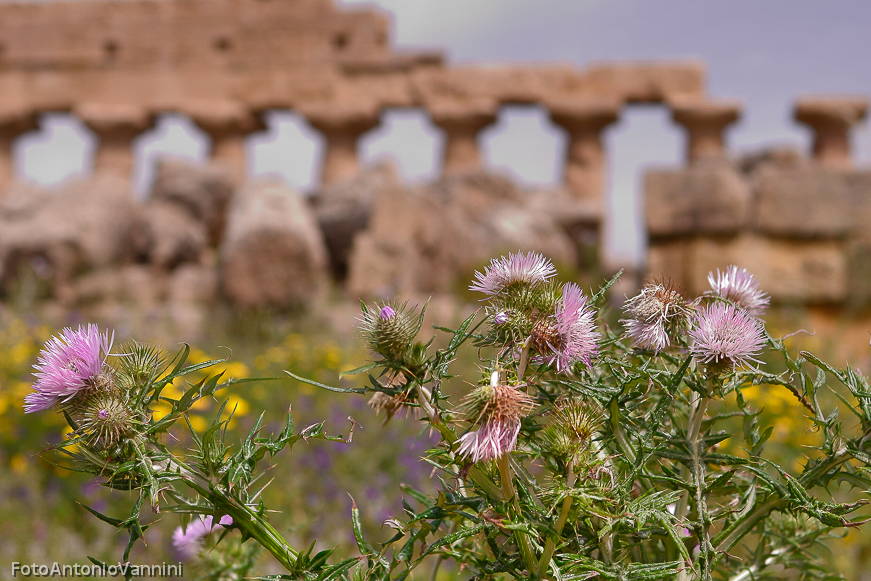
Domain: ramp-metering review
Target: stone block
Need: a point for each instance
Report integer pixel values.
(802, 271)
(171, 236)
(272, 254)
(803, 203)
(203, 191)
(706, 198)
(423, 240)
(668, 259)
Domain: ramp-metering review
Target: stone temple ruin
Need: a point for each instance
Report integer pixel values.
(204, 235)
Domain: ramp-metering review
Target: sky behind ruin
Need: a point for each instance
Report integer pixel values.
(764, 53)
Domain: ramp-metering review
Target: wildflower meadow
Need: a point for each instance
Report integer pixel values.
(547, 439)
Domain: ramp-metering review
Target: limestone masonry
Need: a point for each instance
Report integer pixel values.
(798, 223)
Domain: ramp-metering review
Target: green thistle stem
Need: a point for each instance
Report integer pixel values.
(550, 546)
(509, 495)
(248, 521)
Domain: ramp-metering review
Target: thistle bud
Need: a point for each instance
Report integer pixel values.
(570, 430)
(390, 329)
(105, 420)
(498, 410)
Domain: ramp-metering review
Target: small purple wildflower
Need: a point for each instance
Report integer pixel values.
(501, 318)
(723, 334)
(188, 542)
(387, 313)
(740, 287)
(68, 363)
(103, 413)
(656, 310)
(531, 268)
(569, 336)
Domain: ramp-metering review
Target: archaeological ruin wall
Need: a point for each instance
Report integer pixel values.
(800, 223)
(118, 65)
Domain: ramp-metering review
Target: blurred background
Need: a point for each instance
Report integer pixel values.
(240, 172)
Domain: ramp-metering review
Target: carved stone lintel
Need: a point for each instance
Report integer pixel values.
(584, 120)
(116, 126)
(705, 122)
(831, 119)
(461, 122)
(342, 126)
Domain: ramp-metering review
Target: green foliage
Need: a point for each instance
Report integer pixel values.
(640, 465)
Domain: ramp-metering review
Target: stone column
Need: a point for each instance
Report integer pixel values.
(584, 120)
(705, 122)
(461, 122)
(228, 123)
(342, 125)
(831, 119)
(14, 122)
(116, 126)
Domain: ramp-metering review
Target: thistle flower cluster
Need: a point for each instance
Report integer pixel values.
(723, 334)
(524, 304)
(657, 313)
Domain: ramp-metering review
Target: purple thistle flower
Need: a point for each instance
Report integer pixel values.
(570, 335)
(723, 334)
(740, 287)
(491, 441)
(531, 268)
(68, 363)
(656, 310)
(188, 542)
(387, 313)
(501, 318)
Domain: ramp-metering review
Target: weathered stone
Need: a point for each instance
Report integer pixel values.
(342, 124)
(705, 121)
(669, 260)
(859, 185)
(272, 253)
(85, 225)
(171, 235)
(802, 203)
(193, 283)
(710, 198)
(831, 119)
(343, 210)
(789, 270)
(204, 191)
(462, 121)
(426, 239)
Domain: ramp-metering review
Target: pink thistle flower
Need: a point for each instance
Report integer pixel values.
(387, 313)
(570, 335)
(725, 335)
(531, 269)
(491, 441)
(69, 363)
(188, 542)
(655, 312)
(740, 287)
(498, 409)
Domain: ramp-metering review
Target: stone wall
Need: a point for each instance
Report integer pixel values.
(801, 224)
